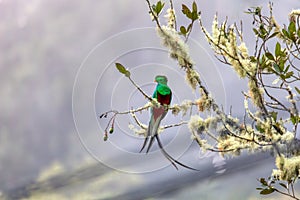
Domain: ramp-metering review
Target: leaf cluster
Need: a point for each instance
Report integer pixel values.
(192, 14)
(157, 8)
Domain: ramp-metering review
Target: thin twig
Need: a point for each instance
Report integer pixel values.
(137, 87)
(154, 15)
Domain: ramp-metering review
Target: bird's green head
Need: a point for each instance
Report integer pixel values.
(161, 79)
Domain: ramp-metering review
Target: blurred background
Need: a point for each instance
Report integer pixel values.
(58, 75)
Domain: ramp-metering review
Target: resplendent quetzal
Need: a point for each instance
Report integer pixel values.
(163, 94)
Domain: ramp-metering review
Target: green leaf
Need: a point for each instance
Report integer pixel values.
(263, 181)
(194, 16)
(281, 64)
(267, 191)
(263, 31)
(262, 62)
(190, 15)
(183, 30)
(259, 188)
(105, 137)
(185, 10)
(270, 56)
(297, 89)
(277, 49)
(274, 115)
(154, 8)
(273, 35)
(248, 12)
(255, 31)
(276, 67)
(261, 130)
(253, 59)
(122, 69)
(159, 6)
(289, 74)
(195, 7)
(283, 185)
(294, 119)
(286, 69)
(258, 11)
(292, 28)
(285, 33)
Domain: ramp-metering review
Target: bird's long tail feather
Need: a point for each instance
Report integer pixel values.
(170, 158)
(144, 144)
(150, 143)
(151, 132)
(156, 117)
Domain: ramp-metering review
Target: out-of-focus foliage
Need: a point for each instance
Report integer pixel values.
(40, 54)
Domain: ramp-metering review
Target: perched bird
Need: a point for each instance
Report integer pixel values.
(163, 94)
